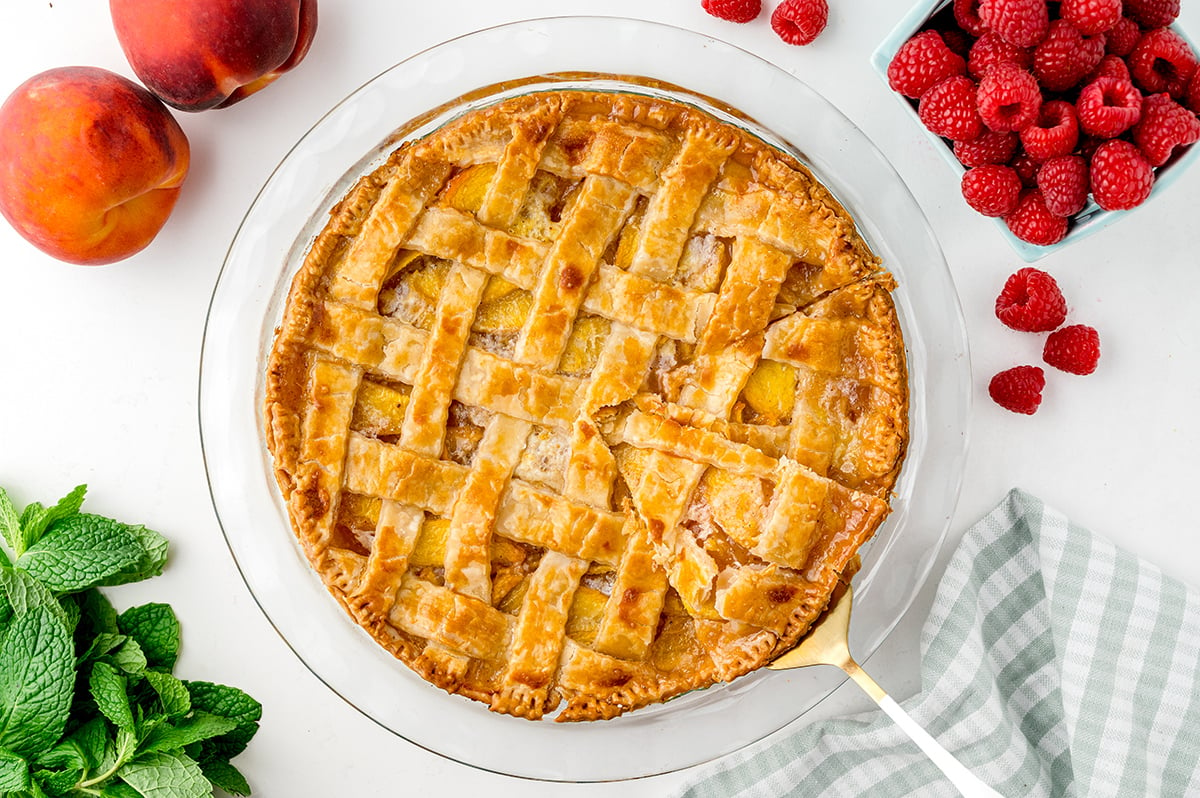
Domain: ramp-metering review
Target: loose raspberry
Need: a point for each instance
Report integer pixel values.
(1152, 13)
(958, 42)
(1018, 389)
(1162, 61)
(733, 10)
(1026, 168)
(1193, 92)
(1121, 176)
(990, 147)
(1064, 184)
(1021, 22)
(1074, 349)
(921, 62)
(1032, 222)
(1122, 38)
(1088, 146)
(1165, 125)
(1031, 302)
(800, 21)
(948, 109)
(1091, 16)
(1110, 66)
(992, 189)
(966, 14)
(1055, 132)
(1065, 56)
(1107, 107)
(1008, 98)
(989, 50)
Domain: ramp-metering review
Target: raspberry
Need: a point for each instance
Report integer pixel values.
(1031, 302)
(1193, 92)
(1021, 22)
(733, 10)
(1165, 125)
(1152, 13)
(1066, 56)
(921, 62)
(1121, 176)
(992, 189)
(800, 21)
(1008, 97)
(1018, 389)
(1091, 16)
(990, 147)
(948, 109)
(1032, 222)
(1107, 107)
(1110, 66)
(958, 42)
(1123, 36)
(1064, 184)
(989, 50)
(1055, 132)
(1074, 349)
(1162, 61)
(1087, 146)
(966, 14)
(1026, 168)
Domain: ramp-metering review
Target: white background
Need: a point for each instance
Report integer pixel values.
(100, 365)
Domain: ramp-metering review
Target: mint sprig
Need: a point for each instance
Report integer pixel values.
(89, 705)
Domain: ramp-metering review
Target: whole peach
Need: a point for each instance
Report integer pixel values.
(90, 164)
(198, 54)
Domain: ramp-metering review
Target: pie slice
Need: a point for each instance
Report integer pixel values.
(586, 400)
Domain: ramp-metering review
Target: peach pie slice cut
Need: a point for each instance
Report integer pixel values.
(585, 400)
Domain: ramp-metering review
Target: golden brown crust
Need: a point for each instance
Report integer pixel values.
(586, 400)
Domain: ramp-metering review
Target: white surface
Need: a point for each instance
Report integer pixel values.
(100, 365)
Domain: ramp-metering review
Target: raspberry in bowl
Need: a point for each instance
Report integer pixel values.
(1093, 103)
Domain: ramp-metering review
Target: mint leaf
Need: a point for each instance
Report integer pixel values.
(23, 594)
(128, 657)
(80, 551)
(172, 694)
(96, 615)
(119, 790)
(14, 772)
(162, 775)
(149, 563)
(200, 726)
(101, 645)
(92, 740)
(225, 776)
(228, 702)
(66, 754)
(10, 522)
(156, 629)
(58, 782)
(108, 689)
(37, 664)
(36, 519)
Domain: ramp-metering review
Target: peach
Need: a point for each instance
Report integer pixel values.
(199, 54)
(90, 164)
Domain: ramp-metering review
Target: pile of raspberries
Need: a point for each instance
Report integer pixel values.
(1043, 111)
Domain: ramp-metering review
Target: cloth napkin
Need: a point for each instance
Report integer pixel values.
(1053, 664)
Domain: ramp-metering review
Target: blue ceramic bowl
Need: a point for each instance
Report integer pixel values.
(1092, 218)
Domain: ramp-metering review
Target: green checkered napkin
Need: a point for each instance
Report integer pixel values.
(1053, 664)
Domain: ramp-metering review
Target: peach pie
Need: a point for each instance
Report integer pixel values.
(585, 400)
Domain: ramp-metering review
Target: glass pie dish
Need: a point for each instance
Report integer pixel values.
(418, 95)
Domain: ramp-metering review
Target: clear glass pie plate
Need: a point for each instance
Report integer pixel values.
(431, 87)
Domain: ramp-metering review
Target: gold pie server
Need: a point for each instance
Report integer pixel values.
(827, 643)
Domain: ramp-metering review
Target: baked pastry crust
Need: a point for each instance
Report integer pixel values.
(586, 400)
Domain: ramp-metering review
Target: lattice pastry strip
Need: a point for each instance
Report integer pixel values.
(652, 485)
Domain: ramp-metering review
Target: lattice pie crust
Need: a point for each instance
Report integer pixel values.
(586, 400)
